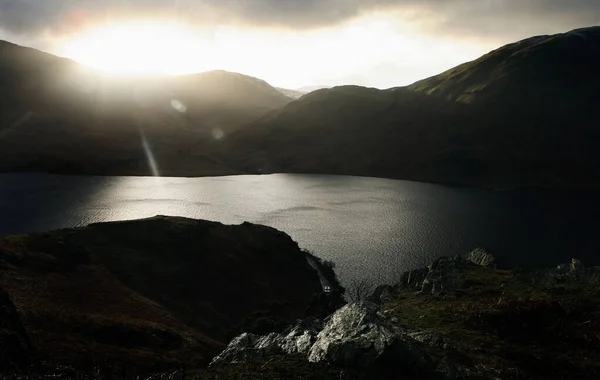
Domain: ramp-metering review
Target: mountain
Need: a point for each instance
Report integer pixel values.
(300, 92)
(523, 115)
(307, 89)
(57, 116)
(294, 94)
(152, 293)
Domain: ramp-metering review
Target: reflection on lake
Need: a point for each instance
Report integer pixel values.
(370, 227)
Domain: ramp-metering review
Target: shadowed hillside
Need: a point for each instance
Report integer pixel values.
(523, 115)
(58, 116)
(154, 293)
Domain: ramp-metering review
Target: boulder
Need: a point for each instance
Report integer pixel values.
(446, 273)
(241, 349)
(358, 336)
(481, 257)
(382, 294)
(16, 350)
(248, 347)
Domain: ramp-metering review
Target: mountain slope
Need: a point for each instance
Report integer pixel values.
(523, 115)
(55, 115)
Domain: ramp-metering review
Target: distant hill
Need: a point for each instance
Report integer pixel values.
(57, 116)
(307, 89)
(294, 94)
(300, 92)
(523, 115)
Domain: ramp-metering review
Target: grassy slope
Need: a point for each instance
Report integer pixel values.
(152, 293)
(523, 115)
(515, 329)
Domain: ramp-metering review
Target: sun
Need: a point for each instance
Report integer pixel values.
(140, 48)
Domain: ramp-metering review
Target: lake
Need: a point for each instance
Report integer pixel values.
(371, 228)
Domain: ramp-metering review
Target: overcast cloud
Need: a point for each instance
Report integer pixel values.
(380, 43)
(460, 17)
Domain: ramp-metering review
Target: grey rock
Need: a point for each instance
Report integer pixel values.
(429, 339)
(382, 294)
(300, 337)
(481, 257)
(415, 278)
(443, 275)
(574, 271)
(359, 336)
(248, 347)
(446, 273)
(241, 349)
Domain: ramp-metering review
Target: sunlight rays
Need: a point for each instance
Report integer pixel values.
(378, 49)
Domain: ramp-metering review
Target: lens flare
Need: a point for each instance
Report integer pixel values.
(149, 155)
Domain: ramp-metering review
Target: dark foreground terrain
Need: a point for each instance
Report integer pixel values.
(150, 294)
(167, 294)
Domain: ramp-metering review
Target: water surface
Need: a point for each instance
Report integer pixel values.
(372, 228)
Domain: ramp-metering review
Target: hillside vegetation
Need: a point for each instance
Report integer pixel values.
(523, 115)
(155, 293)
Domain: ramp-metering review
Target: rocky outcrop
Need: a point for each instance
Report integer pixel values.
(481, 257)
(573, 272)
(16, 351)
(357, 336)
(443, 275)
(433, 323)
(298, 338)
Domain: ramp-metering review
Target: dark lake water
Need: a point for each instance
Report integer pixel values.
(372, 228)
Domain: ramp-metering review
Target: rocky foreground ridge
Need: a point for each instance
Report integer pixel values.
(151, 295)
(460, 318)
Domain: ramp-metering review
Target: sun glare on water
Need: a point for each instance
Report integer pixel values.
(140, 48)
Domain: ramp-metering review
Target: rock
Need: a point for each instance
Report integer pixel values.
(357, 335)
(248, 347)
(481, 257)
(381, 295)
(443, 275)
(575, 271)
(241, 349)
(446, 273)
(576, 267)
(415, 278)
(301, 337)
(16, 350)
(429, 339)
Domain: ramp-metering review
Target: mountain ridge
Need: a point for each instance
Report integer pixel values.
(522, 115)
(503, 120)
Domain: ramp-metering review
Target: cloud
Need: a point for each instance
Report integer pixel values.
(460, 17)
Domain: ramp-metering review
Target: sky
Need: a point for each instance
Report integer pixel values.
(289, 43)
